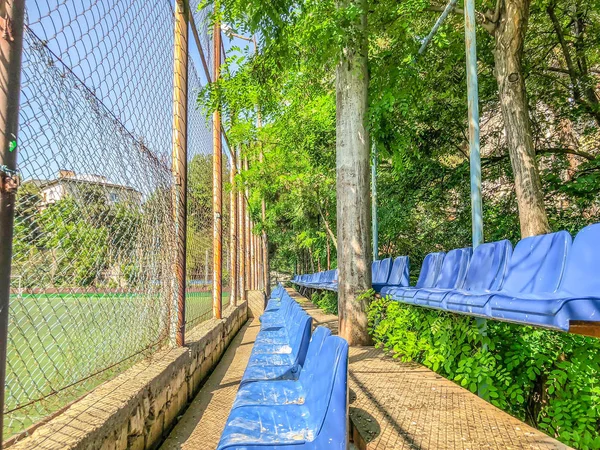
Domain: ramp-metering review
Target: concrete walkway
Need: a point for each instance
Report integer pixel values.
(202, 424)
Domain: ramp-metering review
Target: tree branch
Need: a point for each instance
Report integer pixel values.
(326, 223)
(541, 151)
(482, 18)
(566, 151)
(565, 49)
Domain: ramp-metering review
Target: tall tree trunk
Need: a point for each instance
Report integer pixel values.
(353, 168)
(509, 36)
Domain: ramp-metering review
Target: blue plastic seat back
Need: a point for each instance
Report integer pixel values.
(293, 321)
(537, 263)
(383, 271)
(430, 269)
(288, 308)
(331, 371)
(313, 359)
(488, 267)
(454, 269)
(301, 337)
(400, 273)
(375, 268)
(581, 277)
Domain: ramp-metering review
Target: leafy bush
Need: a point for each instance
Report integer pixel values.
(326, 300)
(550, 380)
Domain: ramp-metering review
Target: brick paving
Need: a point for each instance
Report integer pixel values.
(201, 425)
(396, 405)
(393, 405)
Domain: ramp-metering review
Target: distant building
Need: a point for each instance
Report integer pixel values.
(69, 183)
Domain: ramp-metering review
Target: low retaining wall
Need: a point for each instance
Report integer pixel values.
(139, 407)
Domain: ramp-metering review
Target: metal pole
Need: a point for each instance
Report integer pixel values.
(449, 7)
(473, 99)
(374, 203)
(217, 184)
(242, 240)
(258, 256)
(11, 48)
(255, 258)
(263, 272)
(248, 236)
(475, 157)
(206, 275)
(252, 258)
(180, 91)
(233, 233)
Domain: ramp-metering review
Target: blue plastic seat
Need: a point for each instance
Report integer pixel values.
(399, 275)
(452, 276)
(536, 264)
(281, 335)
(327, 279)
(577, 298)
(430, 270)
(277, 317)
(318, 423)
(288, 354)
(287, 392)
(487, 271)
(375, 267)
(333, 284)
(275, 304)
(381, 275)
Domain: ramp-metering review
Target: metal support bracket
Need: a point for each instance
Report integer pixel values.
(9, 180)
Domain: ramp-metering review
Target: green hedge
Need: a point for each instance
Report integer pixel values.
(326, 300)
(546, 378)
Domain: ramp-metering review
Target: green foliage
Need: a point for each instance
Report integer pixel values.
(76, 240)
(326, 300)
(417, 118)
(549, 379)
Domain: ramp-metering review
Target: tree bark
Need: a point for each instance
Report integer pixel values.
(353, 168)
(509, 37)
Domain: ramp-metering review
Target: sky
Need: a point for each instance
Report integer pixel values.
(97, 87)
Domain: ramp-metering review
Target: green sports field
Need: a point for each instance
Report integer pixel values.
(63, 345)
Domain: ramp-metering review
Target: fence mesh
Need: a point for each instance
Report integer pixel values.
(94, 248)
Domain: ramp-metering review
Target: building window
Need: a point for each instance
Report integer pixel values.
(114, 197)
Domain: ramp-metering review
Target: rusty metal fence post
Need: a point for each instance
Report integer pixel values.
(248, 241)
(252, 255)
(233, 232)
(217, 183)
(242, 237)
(11, 48)
(180, 99)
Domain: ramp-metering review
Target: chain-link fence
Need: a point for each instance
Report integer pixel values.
(200, 194)
(94, 243)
